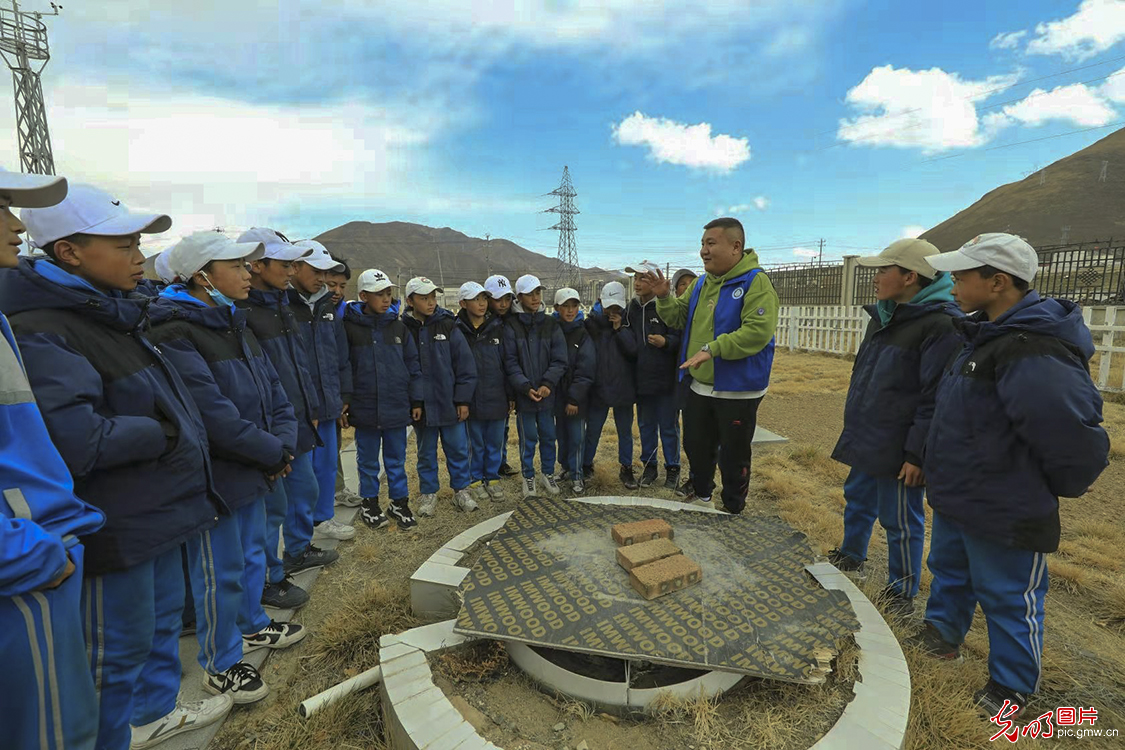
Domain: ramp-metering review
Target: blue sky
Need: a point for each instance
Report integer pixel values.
(807, 119)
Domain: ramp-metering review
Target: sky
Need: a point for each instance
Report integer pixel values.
(853, 122)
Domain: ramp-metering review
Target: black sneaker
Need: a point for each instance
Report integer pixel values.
(284, 595)
(991, 700)
(400, 511)
(930, 642)
(628, 478)
(686, 490)
(587, 473)
(312, 557)
(847, 564)
(372, 515)
(671, 477)
(507, 471)
(896, 605)
(241, 682)
(563, 476)
(649, 475)
(274, 635)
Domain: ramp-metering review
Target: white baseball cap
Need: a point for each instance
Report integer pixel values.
(470, 290)
(527, 284)
(200, 248)
(566, 294)
(913, 255)
(89, 210)
(32, 190)
(163, 270)
(612, 294)
(680, 274)
(497, 286)
(319, 257)
(421, 285)
(645, 266)
(374, 280)
(278, 246)
(1004, 252)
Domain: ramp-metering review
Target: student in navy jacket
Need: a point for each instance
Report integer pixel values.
(1017, 423)
(573, 396)
(890, 402)
(41, 556)
(135, 445)
(500, 299)
(337, 284)
(315, 310)
(270, 316)
(252, 435)
(386, 396)
(614, 382)
(488, 411)
(535, 362)
(658, 346)
(449, 377)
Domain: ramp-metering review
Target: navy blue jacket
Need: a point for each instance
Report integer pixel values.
(1016, 425)
(118, 413)
(327, 348)
(270, 317)
(894, 380)
(581, 366)
(386, 376)
(657, 367)
(492, 394)
(250, 424)
(150, 287)
(534, 355)
(614, 379)
(449, 372)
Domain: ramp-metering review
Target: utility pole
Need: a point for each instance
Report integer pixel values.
(23, 41)
(1105, 168)
(567, 273)
(1065, 234)
(821, 261)
(488, 252)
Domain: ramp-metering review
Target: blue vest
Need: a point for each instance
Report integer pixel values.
(740, 375)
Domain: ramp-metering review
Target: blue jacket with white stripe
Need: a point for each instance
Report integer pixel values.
(449, 372)
(491, 397)
(386, 376)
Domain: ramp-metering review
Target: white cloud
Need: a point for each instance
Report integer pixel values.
(687, 145)
(1009, 40)
(761, 203)
(927, 109)
(805, 252)
(1114, 87)
(1075, 103)
(1096, 26)
(912, 231)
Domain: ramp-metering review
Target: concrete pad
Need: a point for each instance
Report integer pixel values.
(763, 437)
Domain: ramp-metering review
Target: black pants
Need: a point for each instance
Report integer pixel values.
(709, 423)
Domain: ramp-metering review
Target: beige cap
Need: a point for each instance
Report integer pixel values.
(910, 254)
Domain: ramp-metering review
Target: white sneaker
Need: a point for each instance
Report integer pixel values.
(578, 486)
(529, 486)
(242, 682)
(493, 490)
(427, 504)
(185, 717)
(348, 499)
(333, 529)
(478, 491)
(550, 484)
(463, 499)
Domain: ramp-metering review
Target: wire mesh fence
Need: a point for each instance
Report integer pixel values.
(807, 283)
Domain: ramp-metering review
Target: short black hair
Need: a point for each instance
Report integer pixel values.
(987, 272)
(78, 239)
(347, 269)
(923, 281)
(728, 223)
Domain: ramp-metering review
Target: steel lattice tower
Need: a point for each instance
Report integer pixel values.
(23, 41)
(567, 272)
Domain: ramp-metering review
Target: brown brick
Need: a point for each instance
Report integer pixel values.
(643, 553)
(665, 576)
(641, 531)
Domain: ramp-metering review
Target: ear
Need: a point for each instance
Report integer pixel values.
(256, 266)
(67, 253)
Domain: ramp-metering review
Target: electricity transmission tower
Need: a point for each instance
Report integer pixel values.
(23, 43)
(567, 273)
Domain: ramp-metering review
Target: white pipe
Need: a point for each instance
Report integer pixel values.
(361, 681)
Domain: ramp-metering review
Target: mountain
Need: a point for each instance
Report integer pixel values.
(1069, 193)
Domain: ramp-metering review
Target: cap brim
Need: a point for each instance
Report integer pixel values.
(378, 287)
(954, 261)
(324, 265)
(242, 251)
(130, 223)
(32, 190)
(568, 298)
(875, 261)
(286, 253)
(503, 293)
(426, 290)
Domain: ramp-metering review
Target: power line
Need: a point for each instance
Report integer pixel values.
(1021, 143)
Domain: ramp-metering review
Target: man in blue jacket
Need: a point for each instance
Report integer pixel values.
(573, 398)
(501, 296)
(887, 415)
(135, 445)
(488, 411)
(1017, 424)
(41, 520)
(615, 381)
(315, 309)
(337, 283)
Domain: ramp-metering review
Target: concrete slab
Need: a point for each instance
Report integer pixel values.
(763, 437)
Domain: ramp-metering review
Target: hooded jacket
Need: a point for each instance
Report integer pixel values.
(615, 362)
(581, 366)
(270, 317)
(1017, 423)
(534, 356)
(250, 424)
(327, 348)
(120, 416)
(449, 372)
(386, 376)
(894, 380)
(656, 366)
(491, 397)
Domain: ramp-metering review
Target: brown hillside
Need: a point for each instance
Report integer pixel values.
(1071, 194)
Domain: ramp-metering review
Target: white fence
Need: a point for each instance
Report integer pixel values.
(839, 329)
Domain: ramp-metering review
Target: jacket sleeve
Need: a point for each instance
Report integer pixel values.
(556, 368)
(516, 379)
(71, 398)
(464, 368)
(413, 369)
(301, 360)
(760, 309)
(626, 341)
(343, 362)
(933, 357)
(673, 310)
(284, 423)
(1056, 410)
(672, 340)
(229, 435)
(585, 365)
